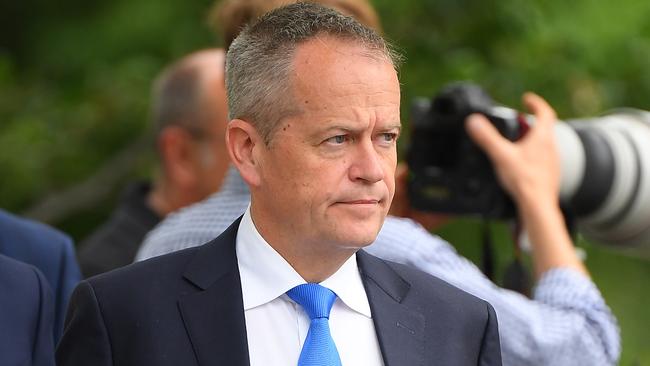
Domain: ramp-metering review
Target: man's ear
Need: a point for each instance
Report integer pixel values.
(242, 140)
(175, 146)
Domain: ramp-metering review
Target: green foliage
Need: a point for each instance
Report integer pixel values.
(573, 53)
(75, 89)
(75, 78)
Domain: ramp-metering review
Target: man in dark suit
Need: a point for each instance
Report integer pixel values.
(314, 107)
(26, 314)
(47, 249)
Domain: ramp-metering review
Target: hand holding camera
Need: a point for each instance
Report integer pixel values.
(528, 169)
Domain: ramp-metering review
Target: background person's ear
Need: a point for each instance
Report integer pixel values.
(242, 140)
(178, 156)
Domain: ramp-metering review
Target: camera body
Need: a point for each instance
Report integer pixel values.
(448, 172)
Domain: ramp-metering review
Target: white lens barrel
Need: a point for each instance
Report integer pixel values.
(625, 172)
(626, 220)
(572, 160)
(622, 218)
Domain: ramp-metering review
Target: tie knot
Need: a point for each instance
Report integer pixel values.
(314, 298)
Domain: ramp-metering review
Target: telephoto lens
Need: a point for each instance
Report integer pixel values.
(606, 176)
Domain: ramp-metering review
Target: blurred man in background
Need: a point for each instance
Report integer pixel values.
(189, 119)
(567, 322)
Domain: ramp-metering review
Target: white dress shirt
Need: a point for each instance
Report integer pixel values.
(276, 326)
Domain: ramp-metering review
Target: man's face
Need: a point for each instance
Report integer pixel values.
(327, 176)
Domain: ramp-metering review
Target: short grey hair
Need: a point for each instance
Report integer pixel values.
(259, 61)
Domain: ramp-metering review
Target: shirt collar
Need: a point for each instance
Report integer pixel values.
(265, 275)
(348, 286)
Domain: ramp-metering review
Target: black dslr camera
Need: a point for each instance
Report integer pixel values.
(448, 172)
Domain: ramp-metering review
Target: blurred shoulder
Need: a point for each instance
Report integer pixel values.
(23, 281)
(18, 229)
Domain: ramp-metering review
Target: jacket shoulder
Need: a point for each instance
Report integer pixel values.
(427, 285)
(162, 267)
(18, 229)
(421, 290)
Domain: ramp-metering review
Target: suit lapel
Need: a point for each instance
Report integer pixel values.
(400, 330)
(214, 315)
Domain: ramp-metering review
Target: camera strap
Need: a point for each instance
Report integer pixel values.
(517, 275)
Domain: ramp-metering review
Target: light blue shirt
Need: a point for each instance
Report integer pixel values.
(566, 323)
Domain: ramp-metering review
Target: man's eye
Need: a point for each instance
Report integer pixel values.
(338, 139)
(388, 137)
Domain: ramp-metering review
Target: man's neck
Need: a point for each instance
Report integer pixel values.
(160, 200)
(313, 261)
(314, 268)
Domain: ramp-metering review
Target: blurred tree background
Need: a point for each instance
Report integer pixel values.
(75, 79)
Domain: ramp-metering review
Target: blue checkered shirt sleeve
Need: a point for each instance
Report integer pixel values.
(566, 323)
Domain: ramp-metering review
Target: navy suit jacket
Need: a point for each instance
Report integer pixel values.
(186, 308)
(47, 249)
(26, 313)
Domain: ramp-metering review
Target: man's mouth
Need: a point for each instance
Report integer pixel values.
(366, 201)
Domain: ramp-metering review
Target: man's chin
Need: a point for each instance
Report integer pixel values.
(359, 211)
(359, 238)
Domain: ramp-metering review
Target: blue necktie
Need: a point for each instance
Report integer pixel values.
(319, 348)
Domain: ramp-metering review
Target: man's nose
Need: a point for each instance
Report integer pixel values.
(367, 164)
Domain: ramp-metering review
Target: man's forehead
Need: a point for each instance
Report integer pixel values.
(325, 47)
(330, 62)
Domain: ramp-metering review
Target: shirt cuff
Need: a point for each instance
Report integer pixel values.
(566, 287)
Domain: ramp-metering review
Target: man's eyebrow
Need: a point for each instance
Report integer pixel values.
(342, 127)
(338, 128)
(392, 126)
(352, 129)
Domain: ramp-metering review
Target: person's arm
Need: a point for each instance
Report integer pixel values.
(566, 323)
(529, 170)
(85, 338)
